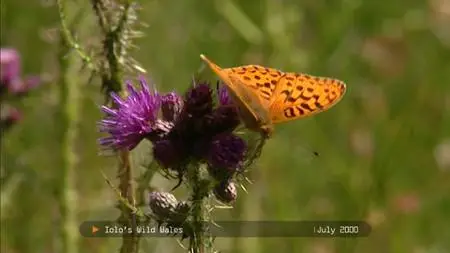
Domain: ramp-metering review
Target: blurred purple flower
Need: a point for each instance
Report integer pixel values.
(10, 79)
(20, 87)
(9, 65)
(9, 117)
(132, 119)
(12, 85)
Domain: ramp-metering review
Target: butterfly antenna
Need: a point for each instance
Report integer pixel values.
(201, 68)
(194, 81)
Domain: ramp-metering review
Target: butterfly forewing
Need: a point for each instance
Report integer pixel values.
(300, 95)
(250, 104)
(252, 108)
(260, 79)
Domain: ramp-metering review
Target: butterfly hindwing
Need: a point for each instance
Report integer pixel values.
(300, 95)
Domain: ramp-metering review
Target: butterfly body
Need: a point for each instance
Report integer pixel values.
(254, 117)
(267, 96)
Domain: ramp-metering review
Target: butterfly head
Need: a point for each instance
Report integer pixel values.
(266, 131)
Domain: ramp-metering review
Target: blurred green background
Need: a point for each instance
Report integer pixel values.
(384, 149)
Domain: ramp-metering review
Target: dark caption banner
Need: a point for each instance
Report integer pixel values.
(235, 229)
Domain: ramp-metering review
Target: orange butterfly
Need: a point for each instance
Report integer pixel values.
(267, 96)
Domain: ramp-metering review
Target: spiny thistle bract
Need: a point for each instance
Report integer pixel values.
(190, 133)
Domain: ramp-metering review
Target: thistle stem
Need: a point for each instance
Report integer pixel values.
(112, 80)
(128, 217)
(69, 39)
(111, 71)
(196, 244)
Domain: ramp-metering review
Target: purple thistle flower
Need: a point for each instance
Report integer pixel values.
(200, 132)
(167, 153)
(222, 119)
(197, 103)
(171, 106)
(223, 96)
(199, 118)
(226, 151)
(225, 117)
(132, 119)
(198, 100)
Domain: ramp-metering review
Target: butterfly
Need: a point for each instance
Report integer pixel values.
(267, 96)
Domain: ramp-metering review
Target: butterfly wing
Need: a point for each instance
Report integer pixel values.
(300, 95)
(260, 79)
(263, 81)
(255, 114)
(251, 106)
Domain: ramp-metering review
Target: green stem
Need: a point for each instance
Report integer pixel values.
(128, 217)
(197, 244)
(111, 72)
(143, 185)
(113, 49)
(68, 38)
(67, 192)
(112, 80)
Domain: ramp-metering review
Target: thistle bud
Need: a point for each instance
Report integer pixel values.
(163, 204)
(226, 192)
